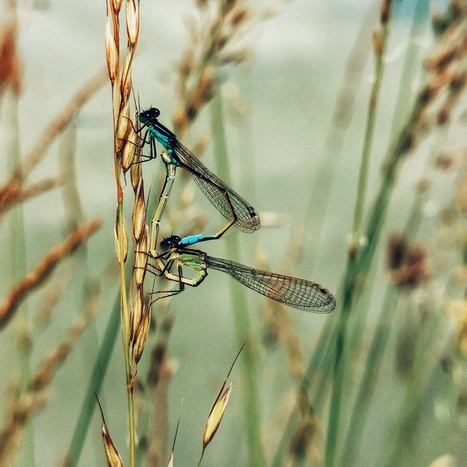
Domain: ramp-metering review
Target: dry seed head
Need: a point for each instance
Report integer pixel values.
(117, 5)
(216, 414)
(238, 17)
(136, 313)
(139, 216)
(132, 22)
(123, 124)
(111, 53)
(127, 81)
(140, 261)
(142, 334)
(136, 168)
(121, 238)
(129, 151)
(111, 452)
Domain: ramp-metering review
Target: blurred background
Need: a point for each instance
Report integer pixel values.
(385, 373)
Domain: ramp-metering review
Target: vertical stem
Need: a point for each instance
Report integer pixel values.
(240, 306)
(353, 270)
(380, 50)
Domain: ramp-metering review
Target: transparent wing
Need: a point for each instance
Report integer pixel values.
(216, 190)
(297, 293)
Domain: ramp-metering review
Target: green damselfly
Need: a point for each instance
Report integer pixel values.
(291, 291)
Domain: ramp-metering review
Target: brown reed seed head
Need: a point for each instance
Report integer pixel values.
(407, 262)
(43, 269)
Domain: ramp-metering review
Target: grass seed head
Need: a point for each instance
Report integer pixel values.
(216, 414)
(111, 452)
(127, 80)
(111, 53)
(139, 217)
(136, 313)
(142, 334)
(132, 22)
(121, 238)
(123, 125)
(129, 151)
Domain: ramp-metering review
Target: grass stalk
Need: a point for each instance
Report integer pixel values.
(380, 41)
(352, 270)
(239, 303)
(95, 383)
(121, 82)
(18, 267)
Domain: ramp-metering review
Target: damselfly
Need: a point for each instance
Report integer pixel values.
(297, 293)
(229, 203)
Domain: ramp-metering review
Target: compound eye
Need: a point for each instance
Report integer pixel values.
(165, 244)
(155, 112)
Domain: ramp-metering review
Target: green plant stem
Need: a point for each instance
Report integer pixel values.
(368, 139)
(370, 377)
(18, 267)
(95, 384)
(404, 429)
(240, 306)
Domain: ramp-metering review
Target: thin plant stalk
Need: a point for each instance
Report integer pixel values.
(352, 266)
(380, 43)
(239, 303)
(95, 383)
(121, 83)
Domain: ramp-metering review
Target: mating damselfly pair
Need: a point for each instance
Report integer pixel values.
(175, 252)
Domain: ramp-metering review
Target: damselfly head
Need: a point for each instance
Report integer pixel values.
(170, 242)
(149, 115)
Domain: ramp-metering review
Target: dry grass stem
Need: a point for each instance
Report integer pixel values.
(51, 297)
(217, 40)
(13, 193)
(58, 355)
(56, 127)
(19, 414)
(43, 270)
(33, 399)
